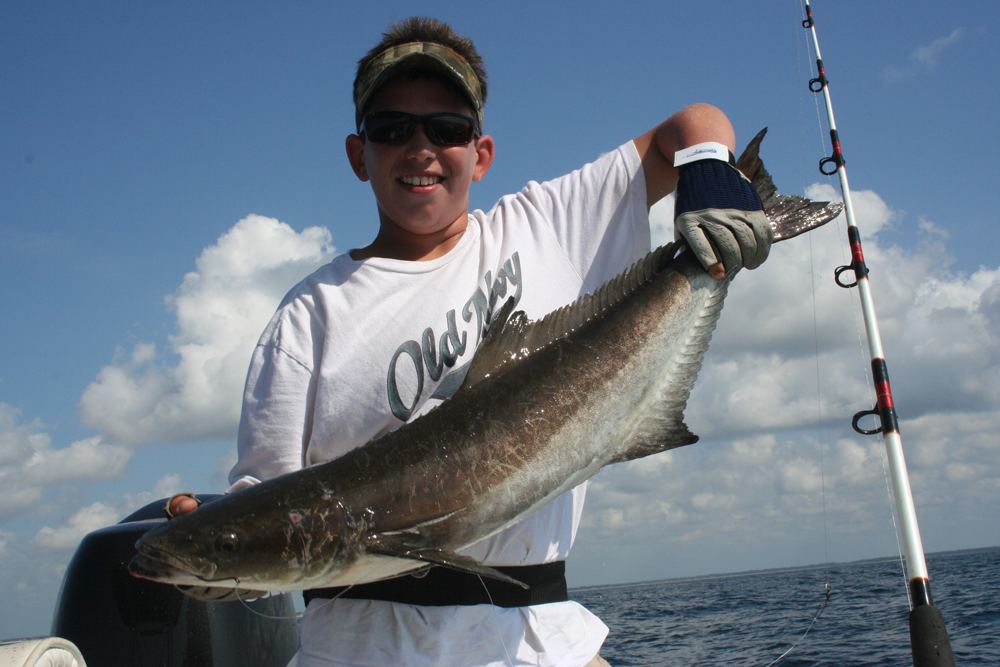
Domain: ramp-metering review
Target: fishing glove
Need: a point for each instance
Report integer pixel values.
(720, 215)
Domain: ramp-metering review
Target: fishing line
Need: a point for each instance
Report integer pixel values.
(245, 603)
(812, 276)
(822, 606)
(828, 589)
(819, 410)
(854, 309)
(819, 388)
(854, 312)
(895, 527)
(294, 617)
(493, 607)
(236, 590)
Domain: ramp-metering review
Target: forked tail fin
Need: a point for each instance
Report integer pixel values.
(789, 215)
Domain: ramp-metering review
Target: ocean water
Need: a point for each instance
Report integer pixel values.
(751, 619)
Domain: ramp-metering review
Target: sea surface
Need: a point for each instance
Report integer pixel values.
(752, 618)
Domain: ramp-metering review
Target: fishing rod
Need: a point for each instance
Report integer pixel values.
(928, 635)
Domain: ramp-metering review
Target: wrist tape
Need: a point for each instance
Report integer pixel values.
(708, 150)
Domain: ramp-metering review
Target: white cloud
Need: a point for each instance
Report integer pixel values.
(871, 213)
(84, 460)
(18, 441)
(924, 58)
(6, 539)
(928, 55)
(29, 465)
(661, 221)
(220, 309)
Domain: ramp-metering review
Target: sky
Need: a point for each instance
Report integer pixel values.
(169, 170)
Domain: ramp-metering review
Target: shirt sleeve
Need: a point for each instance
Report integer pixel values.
(276, 421)
(597, 214)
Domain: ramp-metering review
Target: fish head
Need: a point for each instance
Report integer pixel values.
(252, 542)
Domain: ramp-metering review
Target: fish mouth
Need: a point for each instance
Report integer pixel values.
(156, 570)
(161, 563)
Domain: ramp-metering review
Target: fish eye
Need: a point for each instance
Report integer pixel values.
(227, 543)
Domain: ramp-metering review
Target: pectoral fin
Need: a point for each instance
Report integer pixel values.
(390, 547)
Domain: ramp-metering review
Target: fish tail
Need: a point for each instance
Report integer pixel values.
(789, 215)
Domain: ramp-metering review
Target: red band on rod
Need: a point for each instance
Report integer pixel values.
(884, 394)
(856, 253)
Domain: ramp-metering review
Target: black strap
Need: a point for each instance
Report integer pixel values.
(444, 587)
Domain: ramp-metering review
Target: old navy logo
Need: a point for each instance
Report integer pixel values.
(432, 354)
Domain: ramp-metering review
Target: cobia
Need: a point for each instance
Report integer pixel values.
(545, 406)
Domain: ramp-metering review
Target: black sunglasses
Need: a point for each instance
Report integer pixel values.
(395, 127)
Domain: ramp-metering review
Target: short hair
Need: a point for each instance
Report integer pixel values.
(422, 29)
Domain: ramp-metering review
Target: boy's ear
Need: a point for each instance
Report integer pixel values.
(356, 156)
(484, 157)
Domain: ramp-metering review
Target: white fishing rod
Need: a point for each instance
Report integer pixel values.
(928, 635)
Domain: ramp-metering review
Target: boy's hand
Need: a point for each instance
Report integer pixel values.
(724, 240)
(719, 213)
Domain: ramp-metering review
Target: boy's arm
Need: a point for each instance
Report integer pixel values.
(691, 125)
(717, 210)
(278, 404)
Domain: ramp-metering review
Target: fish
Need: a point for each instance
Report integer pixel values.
(544, 406)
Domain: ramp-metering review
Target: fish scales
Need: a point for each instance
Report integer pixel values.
(545, 405)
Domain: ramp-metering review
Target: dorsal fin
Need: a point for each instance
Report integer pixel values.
(513, 337)
(489, 355)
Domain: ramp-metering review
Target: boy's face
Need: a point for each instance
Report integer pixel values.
(408, 209)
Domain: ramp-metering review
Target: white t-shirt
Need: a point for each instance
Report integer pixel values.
(360, 347)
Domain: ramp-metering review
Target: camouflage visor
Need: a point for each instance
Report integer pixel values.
(448, 61)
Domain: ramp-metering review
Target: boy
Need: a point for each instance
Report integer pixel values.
(384, 333)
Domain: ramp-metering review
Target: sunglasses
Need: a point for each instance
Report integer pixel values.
(395, 127)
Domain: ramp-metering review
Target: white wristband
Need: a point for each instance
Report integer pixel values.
(709, 150)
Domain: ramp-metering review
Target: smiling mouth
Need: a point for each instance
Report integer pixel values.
(421, 180)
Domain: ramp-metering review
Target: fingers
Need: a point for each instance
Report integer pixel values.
(691, 231)
(763, 237)
(731, 243)
(733, 238)
(181, 503)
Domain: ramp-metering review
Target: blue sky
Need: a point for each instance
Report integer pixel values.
(138, 136)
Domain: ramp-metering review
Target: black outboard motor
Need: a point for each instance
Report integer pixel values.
(118, 620)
